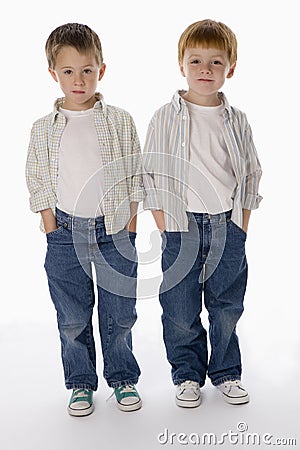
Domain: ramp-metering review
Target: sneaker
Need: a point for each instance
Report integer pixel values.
(128, 398)
(188, 394)
(81, 402)
(233, 392)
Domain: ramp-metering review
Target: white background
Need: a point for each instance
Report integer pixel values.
(140, 49)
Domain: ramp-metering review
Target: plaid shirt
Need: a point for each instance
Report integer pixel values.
(120, 152)
(166, 156)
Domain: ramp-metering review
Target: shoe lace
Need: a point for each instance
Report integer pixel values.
(193, 385)
(80, 393)
(231, 383)
(127, 388)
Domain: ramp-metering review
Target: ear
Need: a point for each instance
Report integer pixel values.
(181, 69)
(231, 71)
(101, 71)
(53, 74)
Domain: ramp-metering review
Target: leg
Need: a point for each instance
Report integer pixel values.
(224, 295)
(184, 335)
(72, 292)
(116, 270)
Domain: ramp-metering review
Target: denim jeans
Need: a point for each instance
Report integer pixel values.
(208, 261)
(72, 250)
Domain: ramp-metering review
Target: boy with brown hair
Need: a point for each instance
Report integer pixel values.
(202, 183)
(83, 175)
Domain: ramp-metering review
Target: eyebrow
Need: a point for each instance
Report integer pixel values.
(81, 67)
(217, 55)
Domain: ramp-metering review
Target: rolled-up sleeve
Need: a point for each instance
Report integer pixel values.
(137, 187)
(252, 198)
(150, 160)
(41, 195)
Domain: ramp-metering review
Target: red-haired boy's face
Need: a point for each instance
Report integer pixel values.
(205, 70)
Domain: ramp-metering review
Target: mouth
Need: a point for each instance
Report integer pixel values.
(205, 80)
(78, 92)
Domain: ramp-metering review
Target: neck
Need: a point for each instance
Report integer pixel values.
(197, 99)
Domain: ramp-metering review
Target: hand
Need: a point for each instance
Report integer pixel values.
(49, 230)
(49, 220)
(246, 217)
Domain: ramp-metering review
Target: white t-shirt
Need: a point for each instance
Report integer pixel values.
(211, 180)
(80, 183)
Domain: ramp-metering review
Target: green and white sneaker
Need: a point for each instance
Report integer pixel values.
(81, 402)
(128, 398)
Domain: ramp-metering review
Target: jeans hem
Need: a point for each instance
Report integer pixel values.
(226, 378)
(178, 381)
(81, 386)
(117, 384)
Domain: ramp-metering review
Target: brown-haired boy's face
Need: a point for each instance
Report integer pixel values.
(205, 70)
(78, 75)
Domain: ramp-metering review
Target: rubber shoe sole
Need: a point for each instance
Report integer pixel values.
(188, 403)
(81, 412)
(131, 407)
(236, 400)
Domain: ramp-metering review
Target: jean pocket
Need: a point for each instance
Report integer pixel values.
(238, 229)
(58, 230)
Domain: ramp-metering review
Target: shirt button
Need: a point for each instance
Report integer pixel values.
(183, 144)
(184, 118)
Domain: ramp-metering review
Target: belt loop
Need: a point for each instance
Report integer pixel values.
(222, 218)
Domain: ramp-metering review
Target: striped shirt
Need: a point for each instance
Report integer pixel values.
(166, 162)
(121, 157)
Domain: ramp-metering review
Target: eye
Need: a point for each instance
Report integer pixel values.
(195, 61)
(216, 62)
(87, 71)
(68, 72)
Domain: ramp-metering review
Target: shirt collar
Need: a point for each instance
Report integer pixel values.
(100, 105)
(178, 102)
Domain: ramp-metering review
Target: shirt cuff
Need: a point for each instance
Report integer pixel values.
(138, 195)
(252, 201)
(41, 201)
(152, 201)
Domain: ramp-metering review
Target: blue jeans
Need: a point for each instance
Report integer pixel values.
(209, 260)
(71, 250)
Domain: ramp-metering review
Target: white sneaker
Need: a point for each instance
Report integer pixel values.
(188, 394)
(233, 392)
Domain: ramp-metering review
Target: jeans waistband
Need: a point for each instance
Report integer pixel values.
(213, 218)
(79, 223)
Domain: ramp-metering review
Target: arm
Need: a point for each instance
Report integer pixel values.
(131, 225)
(49, 220)
(246, 217)
(252, 175)
(159, 217)
(137, 188)
(37, 171)
(152, 200)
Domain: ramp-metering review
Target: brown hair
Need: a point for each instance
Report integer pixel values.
(208, 33)
(76, 35)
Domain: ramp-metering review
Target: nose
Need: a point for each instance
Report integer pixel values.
(205, 68)
(78, 79)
